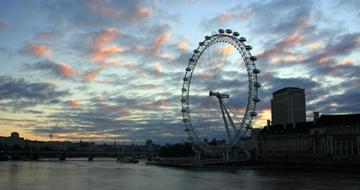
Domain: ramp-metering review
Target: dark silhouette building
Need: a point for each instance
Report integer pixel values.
(329, 138)
(288, 106)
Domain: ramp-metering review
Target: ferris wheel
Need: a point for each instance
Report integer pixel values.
(219, 97)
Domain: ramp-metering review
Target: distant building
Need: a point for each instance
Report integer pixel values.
(288, 106)
(149, 145)
(329, 138)
(13, 140)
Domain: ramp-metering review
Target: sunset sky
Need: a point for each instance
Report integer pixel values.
(112, 70)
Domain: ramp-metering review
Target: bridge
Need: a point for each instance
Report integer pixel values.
(63, 154)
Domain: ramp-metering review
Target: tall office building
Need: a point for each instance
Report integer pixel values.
(288, 106)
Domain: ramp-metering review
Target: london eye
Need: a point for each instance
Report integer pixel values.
(220, 93)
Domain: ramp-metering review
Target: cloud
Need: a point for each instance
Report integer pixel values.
(226, 51)
(158, 43)
(101, 49)
(184, 46)
(292, 39)
(39, 50)
(125, 118)
(97, 13)
(346, 62)
(57, 69)
(226, 17)
(314, 45)
(342, 45)
(66, 70)
(104, 9)
(140, 13)
(130, 11)
(282, 50)
(223, 18)
(18, 93)
(287, 16)
(73, 104)
(346, 102)
(90, 75)
(49, 35)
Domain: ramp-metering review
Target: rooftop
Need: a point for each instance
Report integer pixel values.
(336, 120)
(304, 127)
(288, 89)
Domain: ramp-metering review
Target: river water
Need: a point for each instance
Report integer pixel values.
(109, 174)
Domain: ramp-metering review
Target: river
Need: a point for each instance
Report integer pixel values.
(109, 174)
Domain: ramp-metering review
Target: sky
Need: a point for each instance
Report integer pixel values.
(100, 70)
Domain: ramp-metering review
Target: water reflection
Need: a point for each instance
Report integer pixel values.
(81, 175)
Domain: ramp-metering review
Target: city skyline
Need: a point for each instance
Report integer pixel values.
(112, 70)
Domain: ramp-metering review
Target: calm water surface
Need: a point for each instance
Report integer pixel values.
(103, 175)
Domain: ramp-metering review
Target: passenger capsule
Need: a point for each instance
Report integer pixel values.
(191, 59)
(188, 69)
(201, 43)
(253, 114)
(229, 31)
(187, 129)
(221, 31)
(183, 89)
(184, 110)
(207, 37)
(242, 39)
(256, 71)
(257, 85)
(185, 79)
(253, 58)
(248, 47)
(236, 34)
(185, 120)
(183, 100)
(196, 51)
(256, 99)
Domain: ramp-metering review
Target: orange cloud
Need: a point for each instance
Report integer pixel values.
(100, 48)
(289, 58)
(293, 58)
(271, 53)
(104, 52)
(40, 50)
(52, 83)
(158, 67)
(141, 12)
(223, 18)
(325, 59)
(315, 45)
(158, 42)
(92, 74)
(346, 62)
(66, 70)
(183, 46)
(227, 50)
(291, 39)
(262, 118)
(73, 104)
